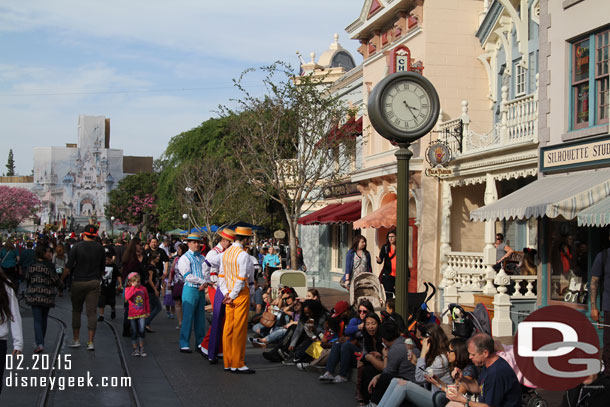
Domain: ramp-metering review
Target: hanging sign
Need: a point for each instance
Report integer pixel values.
(438, 155)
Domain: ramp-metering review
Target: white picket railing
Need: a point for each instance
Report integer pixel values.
(521, 119)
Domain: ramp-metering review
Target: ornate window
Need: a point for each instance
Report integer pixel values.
(589, 82)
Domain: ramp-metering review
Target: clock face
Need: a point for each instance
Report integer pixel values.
(403, 107)
(406, 105)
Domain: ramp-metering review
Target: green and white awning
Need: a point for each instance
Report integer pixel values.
(596, 215)
(551, 196)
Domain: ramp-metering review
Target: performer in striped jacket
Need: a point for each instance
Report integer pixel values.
(211, 346)
(236, 270)
(196, 281)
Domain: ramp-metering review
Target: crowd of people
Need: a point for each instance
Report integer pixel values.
(232, 281)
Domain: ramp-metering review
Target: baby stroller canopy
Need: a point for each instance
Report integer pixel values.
(367, 286)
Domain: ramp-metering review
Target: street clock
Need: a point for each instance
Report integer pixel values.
(403, 107)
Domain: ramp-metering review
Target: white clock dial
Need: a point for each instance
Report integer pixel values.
(406, 105)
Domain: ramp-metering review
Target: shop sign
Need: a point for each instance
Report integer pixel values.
(580, 154)
(341, 190)
(438, 155)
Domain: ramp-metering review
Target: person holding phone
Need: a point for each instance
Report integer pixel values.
(432, 363)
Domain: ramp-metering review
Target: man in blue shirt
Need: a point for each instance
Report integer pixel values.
(498, 385)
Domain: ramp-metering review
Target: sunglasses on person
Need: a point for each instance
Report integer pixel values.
(362, 311)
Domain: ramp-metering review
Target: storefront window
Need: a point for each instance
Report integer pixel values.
(568, 260)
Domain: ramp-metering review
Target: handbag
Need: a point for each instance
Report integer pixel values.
(268, 319)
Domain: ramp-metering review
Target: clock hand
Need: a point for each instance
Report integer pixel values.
(410, 108)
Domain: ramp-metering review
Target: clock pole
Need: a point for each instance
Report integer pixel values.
(403, 156)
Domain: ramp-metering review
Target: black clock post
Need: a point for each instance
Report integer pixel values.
(403, 107)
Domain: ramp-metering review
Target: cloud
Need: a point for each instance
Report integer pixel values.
(255, 31)
(154, 68)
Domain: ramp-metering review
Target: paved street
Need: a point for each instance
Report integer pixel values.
(167, 377)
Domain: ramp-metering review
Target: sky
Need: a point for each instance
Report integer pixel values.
(155, 68)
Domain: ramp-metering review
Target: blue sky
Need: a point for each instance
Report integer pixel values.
(155, 68)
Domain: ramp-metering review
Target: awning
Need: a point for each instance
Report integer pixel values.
(333, 213)
(562, 195)
(384, 217)
(596, 215)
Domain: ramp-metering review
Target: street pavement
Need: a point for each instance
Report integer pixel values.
(170, 378)
(166, 377)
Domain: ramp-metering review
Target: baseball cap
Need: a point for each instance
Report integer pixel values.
(340, 308)
(90, 231)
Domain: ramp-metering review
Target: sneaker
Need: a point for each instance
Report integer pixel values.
(90, 346)
(100, 318)
(326, 377)
(339, 379)
(143, 354)
(169, 315)
(38, 349)
(302, 365)
(285, 355)
(288, 362)
(172, 316)
(75, 344)
(135, 352)
(251, 340)
(113, 314)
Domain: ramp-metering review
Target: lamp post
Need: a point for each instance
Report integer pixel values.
(112, 227)
(188, 191)
(185, 217)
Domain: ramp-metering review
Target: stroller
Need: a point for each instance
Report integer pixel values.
(466, 324)
(418, 311)
(366, 286)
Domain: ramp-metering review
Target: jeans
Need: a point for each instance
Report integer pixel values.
(344, 355)
(155, 307)
(276, 335)
(40, 323)
(396, 393)
(137, 330)
(260, 329)
(439, 399)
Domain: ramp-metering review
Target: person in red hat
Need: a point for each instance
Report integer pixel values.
(86, 264)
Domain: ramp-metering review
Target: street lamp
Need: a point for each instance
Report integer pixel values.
(188, 191)
(185, 217)
(112, 226)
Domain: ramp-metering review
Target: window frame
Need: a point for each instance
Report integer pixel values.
(520, 79)
(594, 81)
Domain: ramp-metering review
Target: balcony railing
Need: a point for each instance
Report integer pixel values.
(518, 124)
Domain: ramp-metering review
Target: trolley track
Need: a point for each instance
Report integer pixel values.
(45, 397)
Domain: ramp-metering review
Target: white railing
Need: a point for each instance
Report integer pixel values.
(518, 123)
(524, 283)
(469, 270)
(521, 119)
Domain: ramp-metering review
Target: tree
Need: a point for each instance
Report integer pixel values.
(283, 142)
(134, 200)
(10, 164)
(16, 205)
(203, 160)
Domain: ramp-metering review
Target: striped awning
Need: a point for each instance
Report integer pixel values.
(596, 215)
(552, 196)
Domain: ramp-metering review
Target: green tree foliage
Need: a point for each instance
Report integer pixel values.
(10, 164)
(134, 200)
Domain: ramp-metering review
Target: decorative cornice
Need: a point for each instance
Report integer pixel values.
(489, 21)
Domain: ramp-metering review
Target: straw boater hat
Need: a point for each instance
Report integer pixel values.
(227, 233)
(243, 231)
(193, 237)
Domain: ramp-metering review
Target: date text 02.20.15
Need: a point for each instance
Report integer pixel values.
(38, 361)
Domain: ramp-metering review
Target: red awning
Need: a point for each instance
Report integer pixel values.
(347, 213)
(333, 213)
(313, 218)
(351, 129)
